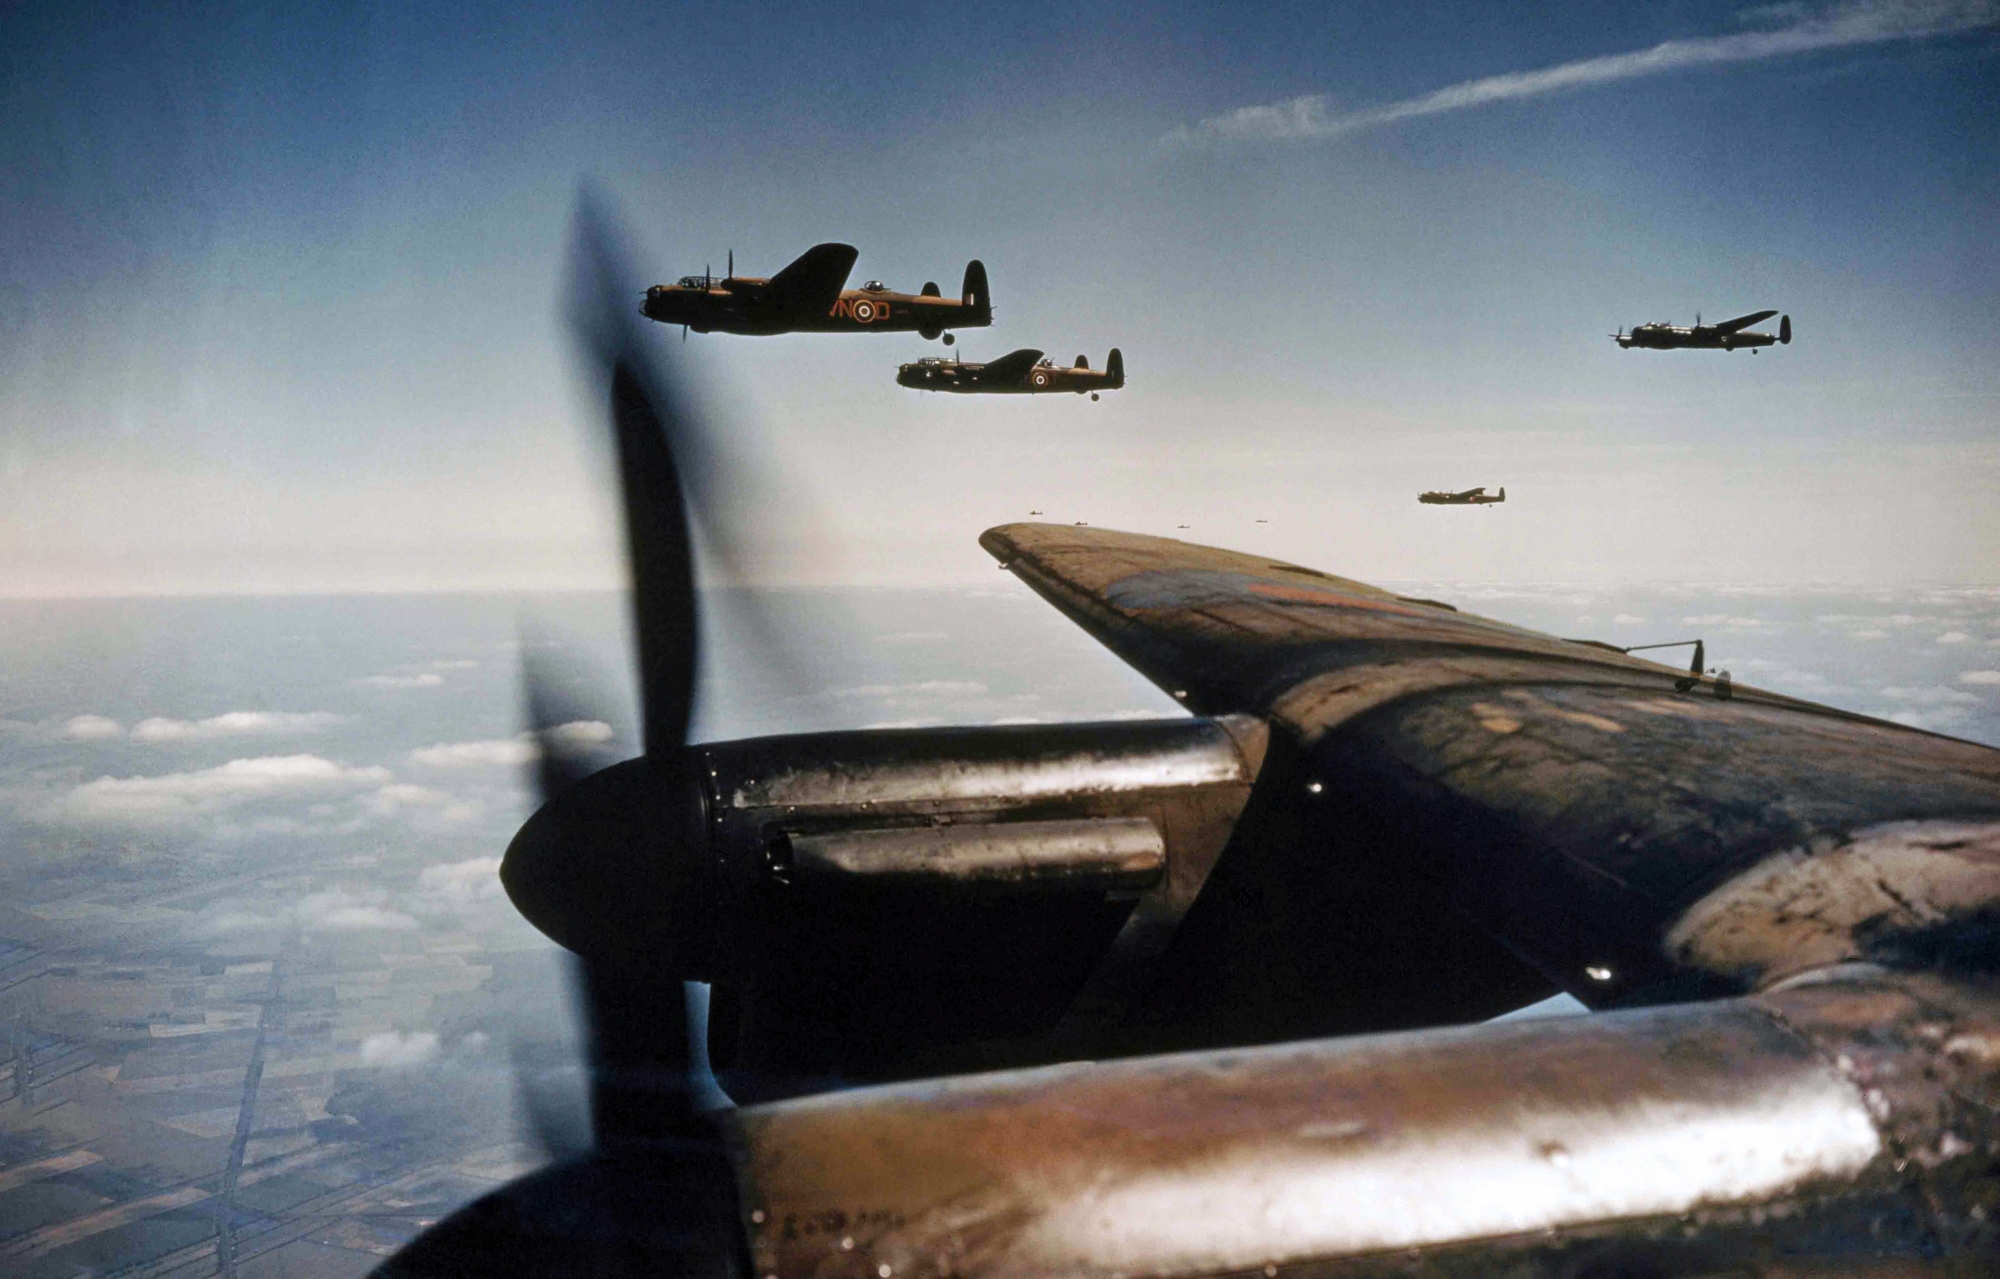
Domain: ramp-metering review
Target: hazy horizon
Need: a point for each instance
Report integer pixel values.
(290, 324)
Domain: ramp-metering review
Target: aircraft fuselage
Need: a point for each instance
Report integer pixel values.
(1667, 337)
(1470, 497)
(742, 305)
(1011, 378)
(1726, 336)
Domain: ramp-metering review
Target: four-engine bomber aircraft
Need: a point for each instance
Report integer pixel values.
(809, 297)
(1023, 372)
(1726, 336)
(1469, 497)
(1379, 818)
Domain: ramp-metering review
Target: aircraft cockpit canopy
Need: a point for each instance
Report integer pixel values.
(874, 286)
(694, 281)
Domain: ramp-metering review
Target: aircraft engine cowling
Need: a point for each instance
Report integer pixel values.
(992, 867)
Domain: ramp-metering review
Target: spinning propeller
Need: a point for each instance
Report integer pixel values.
(601, 866)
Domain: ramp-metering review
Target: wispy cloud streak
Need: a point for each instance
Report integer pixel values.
(1801, 31)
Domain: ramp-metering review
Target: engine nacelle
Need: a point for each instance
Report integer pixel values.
(855, 894)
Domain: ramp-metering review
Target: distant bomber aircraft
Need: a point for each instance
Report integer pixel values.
(1726, 336)
(1023, 372)
(808, 297)
(1470, 497)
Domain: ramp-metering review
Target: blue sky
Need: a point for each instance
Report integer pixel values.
(283, 283)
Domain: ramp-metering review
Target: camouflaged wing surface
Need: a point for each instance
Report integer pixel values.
(1566, 797)
(1228, 631)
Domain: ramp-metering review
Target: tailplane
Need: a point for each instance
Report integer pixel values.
(974, 295)
(1115, 366)
(1503, 492)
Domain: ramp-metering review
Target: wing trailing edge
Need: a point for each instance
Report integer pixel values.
(1012, 366)
(1744, 321)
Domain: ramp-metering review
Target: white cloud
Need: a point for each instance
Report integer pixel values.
(1869, 635)
(1936, 695)
(93, 728)
(1626, 619)
(172, 799)
(581, 733)
(499, 750)
(337, 910)
(577, 735)
(428, 679)
(234, 724)
(390, 1048)
(421, 806)
(934, 687)
(1980, 677)
(1936, 720)
(341, 910)
(1726, 621)
(1860, 22)
(462, 883)
(1953, 637)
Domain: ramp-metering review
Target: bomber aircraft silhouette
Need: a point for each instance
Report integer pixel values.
(1726, 336)
(1380, 817)
(810, 296)
(1470, 497)
(1023, 372)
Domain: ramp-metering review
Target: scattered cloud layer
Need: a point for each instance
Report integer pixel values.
(334, 910)
(422, 679)
(580, 735)
(390, 1048)
(929, 687)
(93, 728)
(1788, 29)
(1980, 677)
(1937, 707)
(460, 884)
(158, 730)
(175, 799)
(234, 724)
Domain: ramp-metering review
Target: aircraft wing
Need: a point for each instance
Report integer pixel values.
(1743, 321)
(1471, 492)
(1520, 770)
(1012, 366)
(813, 281)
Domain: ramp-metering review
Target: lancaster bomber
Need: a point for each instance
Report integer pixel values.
(1225, 970)
(1726, 336)
(1023, 372)
(810, 296)
(1469, 497)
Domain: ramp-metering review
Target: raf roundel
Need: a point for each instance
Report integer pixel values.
(864, 311)
(1040, 378)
